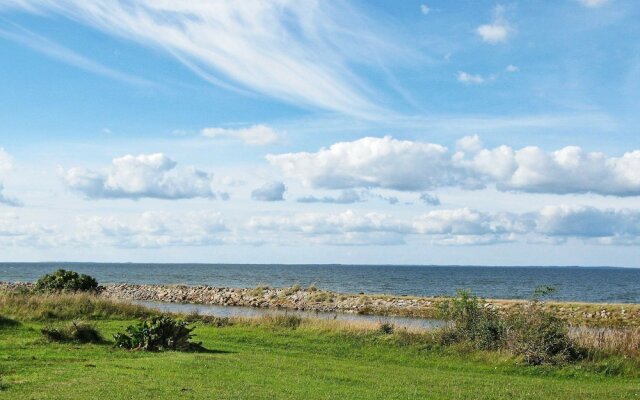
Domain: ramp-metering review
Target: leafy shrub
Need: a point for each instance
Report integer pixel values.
(541, 337)
(78, 332)
(66, 281)
(158, 334)
(471, 322)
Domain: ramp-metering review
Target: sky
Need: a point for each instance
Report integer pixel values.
(299, 131)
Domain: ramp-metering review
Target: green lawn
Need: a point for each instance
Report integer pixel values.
(261, 362)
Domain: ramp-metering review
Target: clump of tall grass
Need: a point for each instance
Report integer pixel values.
(286, 321)
(212, 320)
(78, 332)
(615, 341)
(258, 291)
(67, 306)
(291, 290)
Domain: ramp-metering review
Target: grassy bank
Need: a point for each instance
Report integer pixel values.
(275, 358)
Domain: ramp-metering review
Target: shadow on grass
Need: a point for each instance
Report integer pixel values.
(7, 322)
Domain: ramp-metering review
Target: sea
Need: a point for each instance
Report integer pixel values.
(588, 284)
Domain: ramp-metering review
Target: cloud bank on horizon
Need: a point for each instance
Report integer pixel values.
(320, 131)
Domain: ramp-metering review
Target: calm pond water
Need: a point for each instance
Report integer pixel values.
(253, 312)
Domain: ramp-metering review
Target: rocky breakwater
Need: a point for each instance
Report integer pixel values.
(293, 298)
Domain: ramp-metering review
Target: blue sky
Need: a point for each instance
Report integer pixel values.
(468, 132)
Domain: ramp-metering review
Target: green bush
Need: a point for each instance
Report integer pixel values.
(158, 334)
(78, 332)
(66, 281)
(471, 322)
(541, 337)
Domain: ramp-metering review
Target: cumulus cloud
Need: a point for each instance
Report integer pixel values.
(424, 9)
(152, 230)
(256, 135)
(299, 52)
(141, 176)
(498, 30)
(417, 166)
(270, 191)
(593, 3)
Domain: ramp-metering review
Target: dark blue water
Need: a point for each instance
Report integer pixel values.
(593, 284)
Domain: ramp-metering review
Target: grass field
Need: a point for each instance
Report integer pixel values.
(275, 358)
(264, 362)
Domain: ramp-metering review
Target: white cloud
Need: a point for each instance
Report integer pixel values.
(256, 135)
(416, 166)
(142, 176)
(462, 226)
(345, 197)
(152, 230)
(581, 221)
(593, 3)
(498, 30)
(299, 52)
(270, 191)
(14, 231)
(469, 144)
(424, 9)
(469, 79)
(512, 68)
(323, 224)
(368, 162)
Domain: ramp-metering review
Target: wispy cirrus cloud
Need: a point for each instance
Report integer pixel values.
(54, 50)
(299, 52)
